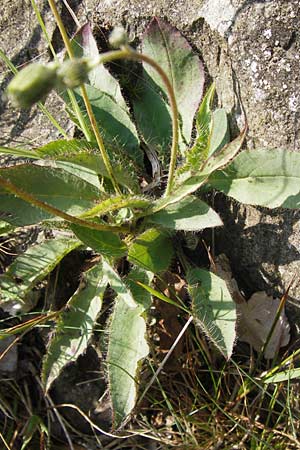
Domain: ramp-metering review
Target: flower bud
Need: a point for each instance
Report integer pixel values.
(73, 72)
(118, 37)
(32, 84)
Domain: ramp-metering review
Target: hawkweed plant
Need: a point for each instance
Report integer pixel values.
(97, 193)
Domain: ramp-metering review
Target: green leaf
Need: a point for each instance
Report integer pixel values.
(53, 186)
(116, 203)
(152, 115)
(104, 242)
(284, 375)
(172, 52)
(69, 154)
(224, 156)
(127, 346)
(189, 214)
(117, 129)
(32, 426)
(139, 275)
(213, 309)
(18, 152)
(189, 182)
(85, 45)
(262, 177)
(213, 134)
(219, 136)
(188, 186)
(199, 152)
(203, 117)
(32, 266)
(75, 326)
(151, 250)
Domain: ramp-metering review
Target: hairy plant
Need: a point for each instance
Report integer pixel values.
(98, 194)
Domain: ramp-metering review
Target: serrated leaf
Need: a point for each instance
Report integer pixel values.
(85, 45)
(171, 51)
(262, 177)
(151, 250)
(203, 116)
(212, 134)
(32, 266)
(127, 346)
(189, 214)
(104, 242)
(75, 326)
(213, 309)
(53, 186)
(199, 152)
(117, 128)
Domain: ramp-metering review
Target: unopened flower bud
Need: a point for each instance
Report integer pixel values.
(118, 37)
(73, 72)
(32, 84)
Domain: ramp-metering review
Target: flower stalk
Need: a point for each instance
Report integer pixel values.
(89, 109)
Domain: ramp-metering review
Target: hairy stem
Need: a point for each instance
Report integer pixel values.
(86, 100)
(29, 198)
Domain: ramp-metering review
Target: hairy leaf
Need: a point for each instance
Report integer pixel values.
(262, 177)
(189, 214)
(172, 52)
(213, 309)
(151, 250)
(115, 203)
(104, 242)
(53, 186)
(75, 326)
(189, 182)
(69, 154)
(199, 152)
(32, 266)
(127, 346)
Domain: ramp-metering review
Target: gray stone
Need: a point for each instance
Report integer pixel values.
(22, 41)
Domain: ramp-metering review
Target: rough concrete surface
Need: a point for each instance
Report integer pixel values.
(251, 48)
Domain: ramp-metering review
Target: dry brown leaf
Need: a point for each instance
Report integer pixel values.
(255, 316)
